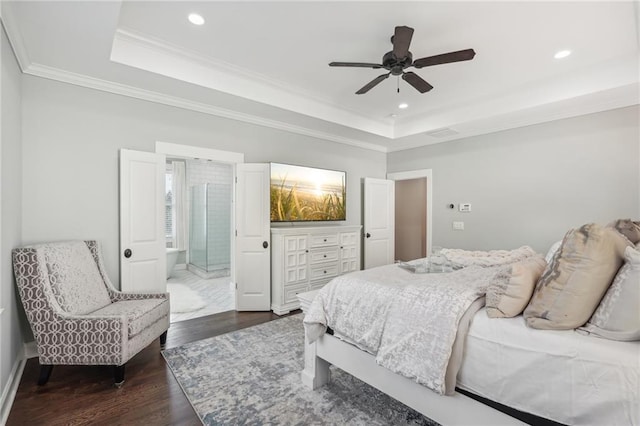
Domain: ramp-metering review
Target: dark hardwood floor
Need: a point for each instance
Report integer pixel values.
(79, 395)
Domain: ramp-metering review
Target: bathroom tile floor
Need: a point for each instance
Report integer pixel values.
(216, 293)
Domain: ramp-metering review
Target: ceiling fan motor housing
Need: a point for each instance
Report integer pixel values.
(390, 62)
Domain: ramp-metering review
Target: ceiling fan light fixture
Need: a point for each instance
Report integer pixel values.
(562, 54)
(403, 105)
(196, 19)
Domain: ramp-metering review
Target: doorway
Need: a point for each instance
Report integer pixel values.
(199, 222)
(410, 219)
(413, 213)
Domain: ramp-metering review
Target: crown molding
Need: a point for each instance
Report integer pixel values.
(157, 56)
(605, 100)
(14, 35)
(57, 74)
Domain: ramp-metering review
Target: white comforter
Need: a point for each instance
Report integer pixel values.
(409, 321)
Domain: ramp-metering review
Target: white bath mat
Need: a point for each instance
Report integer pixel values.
(183, 299)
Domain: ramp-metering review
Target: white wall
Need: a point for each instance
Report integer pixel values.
(71, 139)
(530, 185)
(11, 339)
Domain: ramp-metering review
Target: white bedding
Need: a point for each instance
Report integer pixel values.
(559, 375)
(410, 321)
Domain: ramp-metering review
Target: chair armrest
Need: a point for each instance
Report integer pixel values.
(117, 296)
(82, 339)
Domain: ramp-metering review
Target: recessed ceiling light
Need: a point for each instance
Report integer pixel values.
(403, 106)
(562, 54)
(196, 19)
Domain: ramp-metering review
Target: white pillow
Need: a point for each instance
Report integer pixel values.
(618, 314)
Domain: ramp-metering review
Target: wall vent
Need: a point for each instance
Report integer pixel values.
(442, 133)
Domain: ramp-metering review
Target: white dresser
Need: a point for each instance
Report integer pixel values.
(306, 258)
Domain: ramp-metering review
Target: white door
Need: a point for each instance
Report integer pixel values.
(379, 222)
(143, 256)
(253, 251)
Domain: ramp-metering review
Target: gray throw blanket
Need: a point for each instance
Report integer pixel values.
(408, 321)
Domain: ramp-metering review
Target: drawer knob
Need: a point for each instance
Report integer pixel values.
(325, 272)
(325, 255)
(325, 240)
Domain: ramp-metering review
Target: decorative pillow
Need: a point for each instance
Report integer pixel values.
(463, 257)
(74, 277)
(618, 315)
(628, 228)
(572, 285)
(510, 292)
(552, 250)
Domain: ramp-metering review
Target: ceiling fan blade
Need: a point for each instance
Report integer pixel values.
(355, 64)
(401, 41)
(445, 58)
(372, 84)
(417, 82)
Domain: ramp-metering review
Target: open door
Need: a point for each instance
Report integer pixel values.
(379, 222)
(253, 238)
(143, 257)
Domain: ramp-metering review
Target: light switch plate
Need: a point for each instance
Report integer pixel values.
(458, 226)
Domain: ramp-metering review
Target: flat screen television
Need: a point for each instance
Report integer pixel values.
(304, 194)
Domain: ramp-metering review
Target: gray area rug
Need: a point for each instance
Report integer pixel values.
(252, 376)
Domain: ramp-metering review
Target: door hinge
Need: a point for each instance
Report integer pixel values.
(236, 179)
(236, 285)
(236, 232)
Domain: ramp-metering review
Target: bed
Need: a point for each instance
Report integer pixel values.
(566, 376)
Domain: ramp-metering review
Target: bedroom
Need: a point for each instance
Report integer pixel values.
(528, 184)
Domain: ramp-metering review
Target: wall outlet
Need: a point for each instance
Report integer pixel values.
(458, 226)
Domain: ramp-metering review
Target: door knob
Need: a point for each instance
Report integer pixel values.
(368, 235)
(127, 253)
(265, 244)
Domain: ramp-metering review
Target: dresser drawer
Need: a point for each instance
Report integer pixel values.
(317, 285)
(323, 240)
(291, 292)
(323, 255)
(317, 272)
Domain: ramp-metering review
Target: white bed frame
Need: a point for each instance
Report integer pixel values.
(447, 410)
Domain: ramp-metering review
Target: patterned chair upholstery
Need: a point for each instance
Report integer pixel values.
(77, 316)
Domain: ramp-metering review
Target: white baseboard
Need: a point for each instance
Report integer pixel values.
(180, 266)
(11, 388)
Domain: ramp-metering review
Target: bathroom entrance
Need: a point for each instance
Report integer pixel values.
(198, 227)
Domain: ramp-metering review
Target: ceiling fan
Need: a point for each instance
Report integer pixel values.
(400, 58)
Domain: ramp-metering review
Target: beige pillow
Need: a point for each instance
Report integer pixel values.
(510, 292)
(573, 283)
(618, 314)
(628, 228)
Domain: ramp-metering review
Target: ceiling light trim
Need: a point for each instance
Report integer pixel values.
(131, 48)
(196, 19)
(56, 74)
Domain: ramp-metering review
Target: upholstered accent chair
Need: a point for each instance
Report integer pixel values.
(76, 314)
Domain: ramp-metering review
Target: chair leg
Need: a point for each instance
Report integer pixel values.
(118, 375)
(163, 339)
(45, 373)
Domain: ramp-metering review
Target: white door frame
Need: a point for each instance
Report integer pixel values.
(417, 174)
(227, 157)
